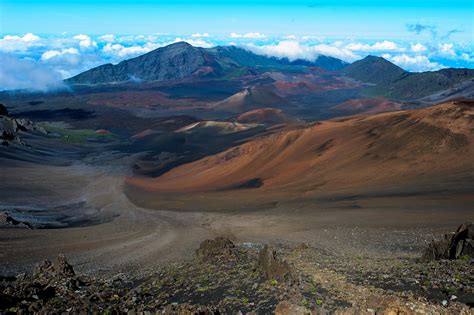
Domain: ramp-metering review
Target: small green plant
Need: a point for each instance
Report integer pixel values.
(313, 290)
(319, 302)
(202, 289)
(245, 301)
(274, 282)
(451, 290)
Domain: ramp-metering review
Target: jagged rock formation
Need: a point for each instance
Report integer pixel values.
(273, 267)
(11, 128)
(8, 220)
(453, 245)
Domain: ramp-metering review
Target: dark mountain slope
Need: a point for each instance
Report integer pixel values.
(173, 62)
(181, 60)
(373, 69)
(396, 83)
(415, 85)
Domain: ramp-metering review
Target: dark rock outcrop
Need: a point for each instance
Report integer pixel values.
(59, 268)
(10, 129)
(275, 268)
(288, 308)
(6, 219)
(3, 110)
(452, 246)
(214, 249)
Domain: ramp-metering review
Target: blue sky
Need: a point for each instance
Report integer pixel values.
(63, 38)
(365, 18)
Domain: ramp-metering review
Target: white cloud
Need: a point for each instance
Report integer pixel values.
(292, 50)
(18, 43)
(446, 49)
(201, 35)
(313, 37)
(385, 45)
(30, 37)
(248, 35)
(467, 57)
(194, 42)
(378, 46)
(16, 73)
(107, 38)
(416, 63)
(85, 41)
(336, 52)
(417, 47)
(122, 51)
(55, 53)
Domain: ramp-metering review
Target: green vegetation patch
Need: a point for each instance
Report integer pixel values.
(79, 136)
(238, 72)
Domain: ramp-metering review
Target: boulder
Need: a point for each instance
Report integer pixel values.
(59, 268)
(273, 267)
(62, 267)
(216, 248)
(3, 110)
(287, 308)
(452, 246)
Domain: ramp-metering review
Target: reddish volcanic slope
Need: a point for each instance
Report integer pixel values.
(367, 106)
(249, 99)
(141, 99)
(265, 116)
(427, 149)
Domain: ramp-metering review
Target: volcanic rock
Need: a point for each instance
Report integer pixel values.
(60, 268)
(273, 267)
(452, 246)
(6, 219)
(3, 110)
(212, 249)
(287, 308)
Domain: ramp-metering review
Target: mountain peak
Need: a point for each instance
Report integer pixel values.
(373, 69)
(377, 59)
(181, 60)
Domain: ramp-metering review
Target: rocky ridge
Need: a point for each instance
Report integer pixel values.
(248, 278)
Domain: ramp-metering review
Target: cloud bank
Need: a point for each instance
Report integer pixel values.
(57, 57)
(16, 73)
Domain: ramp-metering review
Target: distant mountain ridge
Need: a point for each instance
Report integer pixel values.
(394, 82)
(182, 60)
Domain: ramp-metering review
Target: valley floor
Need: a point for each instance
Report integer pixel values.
(353, 250)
